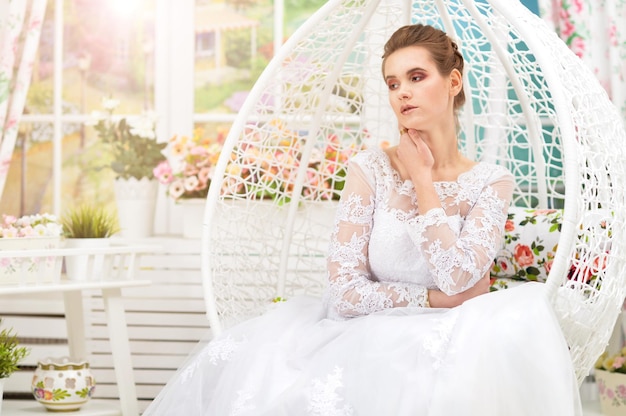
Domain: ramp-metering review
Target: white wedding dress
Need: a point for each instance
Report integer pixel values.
(370, 347)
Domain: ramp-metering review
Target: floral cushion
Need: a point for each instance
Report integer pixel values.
(531, 237)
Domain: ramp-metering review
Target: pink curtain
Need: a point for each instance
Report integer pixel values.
(20, 28)
(596, 31)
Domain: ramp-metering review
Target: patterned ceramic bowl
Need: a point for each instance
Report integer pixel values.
(61, 384)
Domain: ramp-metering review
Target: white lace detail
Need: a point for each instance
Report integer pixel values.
(353, 210)
(350, 290)
(242, 403)
(223, 349)
(217, 350)
(384, 255)
(324, 400)
(438, 342)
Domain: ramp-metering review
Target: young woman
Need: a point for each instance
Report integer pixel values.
(406, 326)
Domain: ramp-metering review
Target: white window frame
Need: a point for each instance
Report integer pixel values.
(174, 58)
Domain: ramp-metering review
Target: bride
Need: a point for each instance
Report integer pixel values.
(406, 326)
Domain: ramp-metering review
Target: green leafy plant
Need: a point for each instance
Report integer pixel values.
(10, 352)
(132, 142)
(88, 221)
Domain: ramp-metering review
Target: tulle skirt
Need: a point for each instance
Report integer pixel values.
(498, 354)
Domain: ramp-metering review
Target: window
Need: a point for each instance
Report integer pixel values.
(192, 63)
(115, 48)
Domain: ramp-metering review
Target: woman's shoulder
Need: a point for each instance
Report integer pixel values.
(375, 164)
(492, 172)
(371, 156)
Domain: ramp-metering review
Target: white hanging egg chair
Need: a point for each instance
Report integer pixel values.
(532, 106)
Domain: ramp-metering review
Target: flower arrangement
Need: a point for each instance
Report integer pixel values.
(264, 166)
(132, 141)
(37, 225)
(267, 164)
(327, 172)
(188, 169)
(615, 363)
(611, 381)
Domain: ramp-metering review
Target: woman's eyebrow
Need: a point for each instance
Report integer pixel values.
(408, 72)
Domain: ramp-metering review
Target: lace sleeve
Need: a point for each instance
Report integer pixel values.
(352, 291)
(458, 256)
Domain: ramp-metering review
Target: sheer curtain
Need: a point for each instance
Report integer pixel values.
(20, 28)
(596, 31)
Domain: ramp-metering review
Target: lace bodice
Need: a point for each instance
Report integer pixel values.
(384, 255)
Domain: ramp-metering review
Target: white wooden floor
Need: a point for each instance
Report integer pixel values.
(109, 408)
(32, 408)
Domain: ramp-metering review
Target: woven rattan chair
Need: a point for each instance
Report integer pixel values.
(532, 106)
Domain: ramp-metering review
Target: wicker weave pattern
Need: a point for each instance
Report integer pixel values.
(531, 106)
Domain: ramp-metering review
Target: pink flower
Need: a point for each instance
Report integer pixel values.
(9, 219)
(198, 151)
(613, 35)
(578, 46)
(509, 226)
(618, 362)
(621, 391)
(163, 172)
(567, 29)
(28, 231)
(191, 183)
(204, 175)
(548, 266)
(190, 170)
(578, 6)
(176, 189)
(523, 255)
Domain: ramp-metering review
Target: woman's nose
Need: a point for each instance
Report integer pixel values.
(403, 92)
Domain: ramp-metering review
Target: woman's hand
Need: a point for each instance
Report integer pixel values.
(414, 153)
(438, 299)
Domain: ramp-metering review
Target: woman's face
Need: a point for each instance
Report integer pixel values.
(419, 95)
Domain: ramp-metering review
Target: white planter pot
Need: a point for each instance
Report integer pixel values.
(85, 266)
(612, 391)
(193, 217)
(62, 385)
(28, 270)
(136, 202)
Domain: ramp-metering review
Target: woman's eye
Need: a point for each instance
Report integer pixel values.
(392, 85)
(417, 77)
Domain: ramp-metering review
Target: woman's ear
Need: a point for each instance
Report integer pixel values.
(456, 82)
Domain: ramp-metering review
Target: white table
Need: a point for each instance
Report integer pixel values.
(111, 289)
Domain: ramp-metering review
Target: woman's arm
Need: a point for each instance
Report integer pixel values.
(458, 259)
(438, 299)
(352, 292)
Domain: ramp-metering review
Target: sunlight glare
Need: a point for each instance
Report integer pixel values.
(125, 8)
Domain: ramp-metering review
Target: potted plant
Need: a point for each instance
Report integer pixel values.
(86, 226)
(89, 221)
(610, 373)
(10, 356)
(187, 174)
(30, 232)
(265, 169)
(134, 152)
